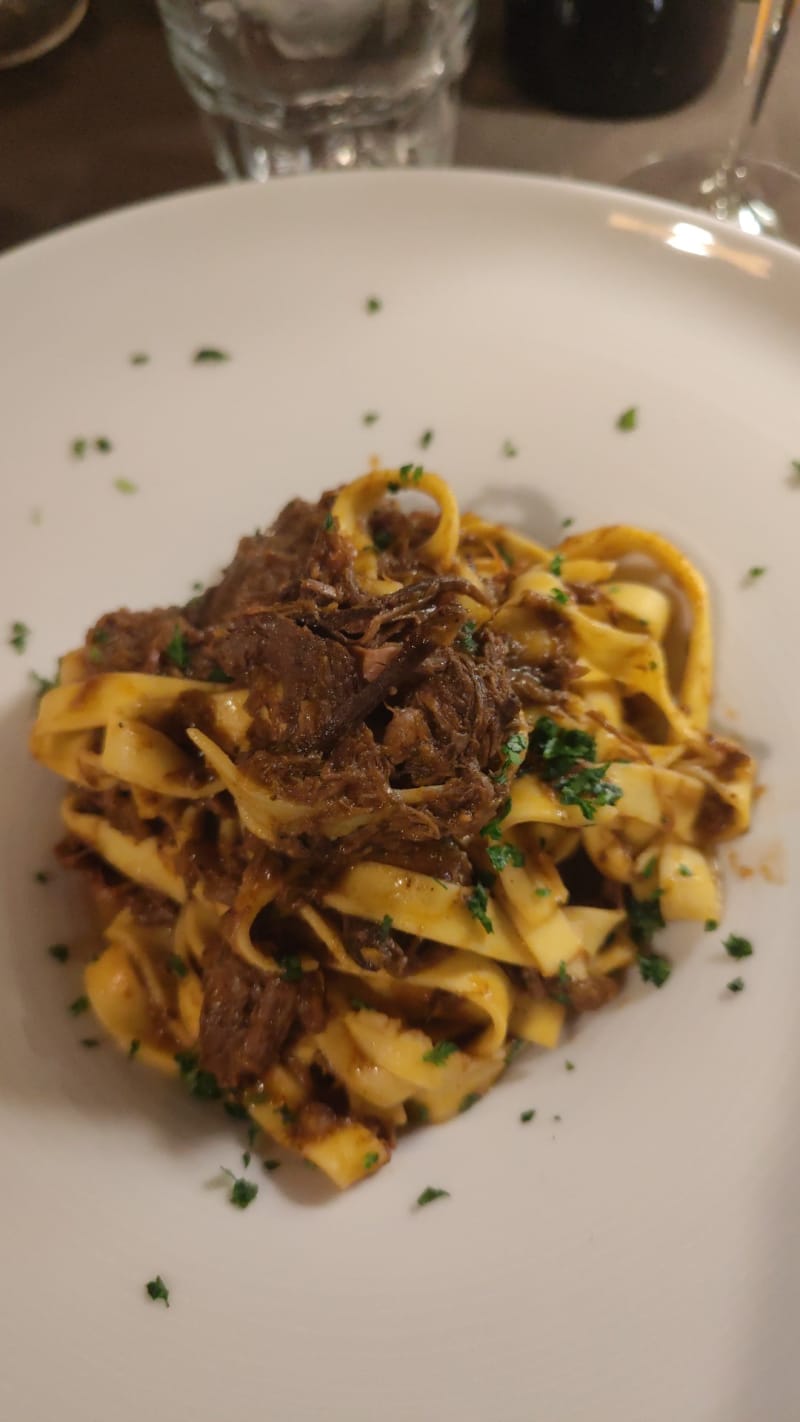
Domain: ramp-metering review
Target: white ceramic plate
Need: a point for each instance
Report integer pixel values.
(636, 1260)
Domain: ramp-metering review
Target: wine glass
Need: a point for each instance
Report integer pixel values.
(759, 197)
(29, 28)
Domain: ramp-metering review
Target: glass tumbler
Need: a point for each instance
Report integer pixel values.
(291, 86)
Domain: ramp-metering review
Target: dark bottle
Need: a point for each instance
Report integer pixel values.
(616, 58)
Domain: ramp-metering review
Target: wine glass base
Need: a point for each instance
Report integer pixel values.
(759, 198)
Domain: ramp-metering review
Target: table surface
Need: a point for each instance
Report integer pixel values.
(103, 121)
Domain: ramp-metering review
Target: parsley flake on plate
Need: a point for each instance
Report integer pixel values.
(59, 951)
(371, 1159)
(466, 637)
(556, 564)
(157, 1289)
(467, 1102)
(429, 1194)
(372, 305)
(560, 596)
(508, 449)
(18, 636)
(654, 968)
(425, 439)
(526, 1116)
(737, 947)
(243, 1192)
(753, 574)
(209, 355)
(735, 985)
(629, 419)
(80, 1005)
(566, 762)
(370, 417)
(125, 486)
(139, 358)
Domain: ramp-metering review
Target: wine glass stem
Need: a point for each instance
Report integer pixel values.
(768, 40)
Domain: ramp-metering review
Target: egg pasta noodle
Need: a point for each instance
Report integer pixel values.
(403, 790)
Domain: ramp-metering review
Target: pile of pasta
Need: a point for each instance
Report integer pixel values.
(675, 790)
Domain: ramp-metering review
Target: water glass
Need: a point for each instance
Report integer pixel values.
(290, 86)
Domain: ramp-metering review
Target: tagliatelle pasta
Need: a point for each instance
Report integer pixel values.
(404, 789)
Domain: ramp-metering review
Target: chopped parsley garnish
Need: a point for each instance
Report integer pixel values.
(217, 674)
(392, 487)
(468, 1101)
(477, 904)
(654, 969)
(425, 439)
(90, 1042)
(556, 564)
(513, 1049)
(270, 1165)
(711, 925)
(134, 1047)
(567, 522)
(684, 871)
(439, 1054)
(629, 419)
(564, 984)
(381, 540)
(80, 1005)
(79, 447)
(176, 965)
(19, 635)
(208, 354)
(558, 595)
(526, 1116)
(177, 650)
(754, 573)
(291, 968)
(236, 1110)
(357, 1004)
(430, 1194)
(737, 947)
(385, 926)
(59, 951)
(508, 449)
(246, 1158)
(735, 985)
(103, 444)
(139, 358)
(95, 654)
(373, 304)
(157, 1289)
(126, 486)
(649, 867)
(197, 586)
(42, 877)
(371, 1159)
(243, 1192)
(411, 473)
(370, 417)
(330, 523)
(252, 1132)
(43, 684)
(541, 892)
(644, 918)
(507, 557)
(287, 1115)
(501, 855)
(466, 637)
(564, 755)
(569, 1066)
(492, 830)
(513, 751)
(202, 1084)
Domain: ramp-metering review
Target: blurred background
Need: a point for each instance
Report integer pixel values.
(102, 118)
